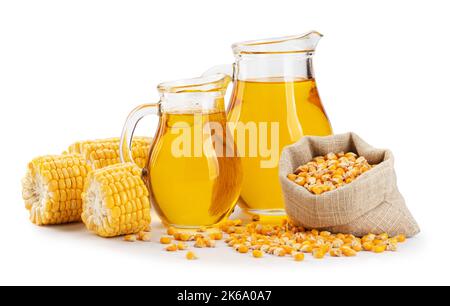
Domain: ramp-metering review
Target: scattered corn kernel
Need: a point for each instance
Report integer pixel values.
(172, 248)
(348, 251)
(336, 252)
(165, 240)
(318, 253)
(185, 237)
(181, 246)
(216, 236)
(391, 245)
(289, 239)
(280, 252)
(400, 238)
(200, 243)
(299, 256)
(356, 246)
(256, 218)
(257, 253)
(191, 256)
(144, 236)
(368, 246)
(130, 238)
(380, 248)
(383, 237)
(237, 222)
(171, 231)
(242, 249)
(210, 243)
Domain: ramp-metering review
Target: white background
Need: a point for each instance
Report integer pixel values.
(72, 70)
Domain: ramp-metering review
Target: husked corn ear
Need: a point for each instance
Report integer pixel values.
(105, 152)
(52, 188)
(115, 201)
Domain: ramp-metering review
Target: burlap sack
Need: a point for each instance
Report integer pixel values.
(370, 204)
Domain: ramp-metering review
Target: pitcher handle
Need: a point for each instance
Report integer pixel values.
(126, 139)
(228, 69)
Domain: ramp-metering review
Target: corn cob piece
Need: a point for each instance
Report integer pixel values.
(105, 152)
(115, 201)
(52, 188)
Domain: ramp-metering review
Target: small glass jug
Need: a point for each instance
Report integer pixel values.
(192, 181)
(274, 103)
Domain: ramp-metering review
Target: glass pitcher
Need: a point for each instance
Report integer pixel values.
(274, 103)
(192, 181)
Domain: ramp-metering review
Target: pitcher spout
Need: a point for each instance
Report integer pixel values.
(310, 40)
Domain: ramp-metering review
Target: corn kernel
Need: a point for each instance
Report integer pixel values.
(191, 256)
(257, 253)
(356, 246)
(265, 248)
(292, 177)
(325, 234)
(368, 238)
(237, 222)
(171, 231)
(299, 256)
(318, 253)
(165, 240)
(383, 237)
(181, 246)
(210, 243)
(391, 245)
(368, 246)
(216, 236)
(144, 236)
(171, 248)
(400, 238)
(317, 190)
(300, 181)
(380, 248)
(337, 243)
(242, 249)
(256, 218)
(349, 252)
(185, 237)
(130, 238)
(288, 249)
(335, 252)
(307, 248)
(378, 242)
(200, 243)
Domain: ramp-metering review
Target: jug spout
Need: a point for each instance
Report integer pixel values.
(304, 43)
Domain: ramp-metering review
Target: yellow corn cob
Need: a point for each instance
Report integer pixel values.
(52, 188)
(105, 152)
(115, 201)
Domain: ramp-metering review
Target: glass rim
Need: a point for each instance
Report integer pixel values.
(303, 43)
(210, 83)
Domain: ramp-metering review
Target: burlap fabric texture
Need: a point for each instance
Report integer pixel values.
(370, 204)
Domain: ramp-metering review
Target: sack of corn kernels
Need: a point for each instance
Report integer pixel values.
(371, 203)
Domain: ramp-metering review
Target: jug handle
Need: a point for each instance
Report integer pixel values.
(126, 139)
(228, 69)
